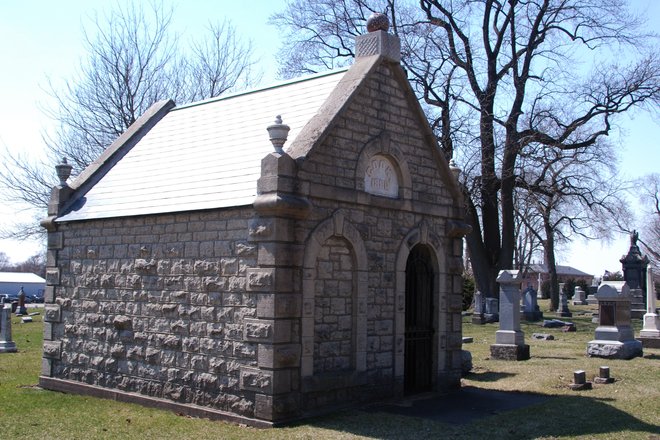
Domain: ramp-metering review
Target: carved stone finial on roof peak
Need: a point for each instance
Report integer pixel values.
(63, 170)
(278, 133)
(378, 22)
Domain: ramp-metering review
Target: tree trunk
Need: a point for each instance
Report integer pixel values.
(484, 274)
(490, 210)
(550, 263)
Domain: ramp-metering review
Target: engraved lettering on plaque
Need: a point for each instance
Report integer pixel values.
(607, 313)
(381, 177)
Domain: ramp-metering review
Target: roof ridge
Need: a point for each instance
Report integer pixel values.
(270, 86)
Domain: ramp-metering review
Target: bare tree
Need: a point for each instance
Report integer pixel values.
(132, 60)
(573, 192)
(4, 262)
(509, 73)
(649, 187)
(220, 63)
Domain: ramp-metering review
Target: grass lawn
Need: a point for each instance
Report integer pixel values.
(627, 409)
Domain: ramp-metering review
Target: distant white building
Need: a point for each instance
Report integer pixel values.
(11, 283)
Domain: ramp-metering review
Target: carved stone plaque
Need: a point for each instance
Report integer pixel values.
(607, 312)
(381, 177)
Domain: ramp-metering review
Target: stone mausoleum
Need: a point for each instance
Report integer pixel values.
(199, 266)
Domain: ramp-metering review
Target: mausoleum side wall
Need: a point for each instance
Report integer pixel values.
(154, 305)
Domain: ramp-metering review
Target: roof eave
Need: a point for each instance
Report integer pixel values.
(118, 149)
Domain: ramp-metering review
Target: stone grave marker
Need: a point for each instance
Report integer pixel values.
(579, 298)
(6, 343)
(21, 309)
(603, 376)
(491, 309)
(478, 315)
(650, 333)
(614, 334)
(580, 381)
(509, 339)
(530, 309)
(634, 266)
(563, 303)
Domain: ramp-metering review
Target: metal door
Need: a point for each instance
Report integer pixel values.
(419, 330)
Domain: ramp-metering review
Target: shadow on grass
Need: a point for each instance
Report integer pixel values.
(651, 356)
(487, 376)
(563, 358)
(479, 413)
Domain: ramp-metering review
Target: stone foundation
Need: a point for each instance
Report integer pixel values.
(615, 350)
(509, 352)
(649, 342)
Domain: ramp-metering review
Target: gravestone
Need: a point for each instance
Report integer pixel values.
(650, 333)
(591, 297)
(509, 339)
(6, 344)
(491, 309)
(580, 381)
(563, 303)
(614, 334)
(604, 376)
(478, 315)
(530, 309)
(634, 266)
(20, 308)
(579, 298)
(539, 291)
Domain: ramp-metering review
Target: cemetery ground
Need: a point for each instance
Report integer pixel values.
(546, 407)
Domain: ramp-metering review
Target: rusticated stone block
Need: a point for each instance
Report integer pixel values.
(53, 276)
(258, 330)
(143, 266)
(243, 249)
(53, 349)
(52, 313)
(256, 380)
(122, 322)
(267, 330)
(260, 279)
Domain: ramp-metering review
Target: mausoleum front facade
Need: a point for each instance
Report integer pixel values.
(322, 272)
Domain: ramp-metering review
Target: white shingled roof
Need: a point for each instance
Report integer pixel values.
(20, 277)
(204, 155)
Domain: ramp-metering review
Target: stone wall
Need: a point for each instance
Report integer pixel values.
(275, 312)
(154, 305)
(378, 121)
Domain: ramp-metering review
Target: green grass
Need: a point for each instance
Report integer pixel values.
(628, 408)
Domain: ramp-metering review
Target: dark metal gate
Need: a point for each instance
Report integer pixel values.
(418, 355)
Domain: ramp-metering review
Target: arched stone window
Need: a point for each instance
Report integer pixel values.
(334, 300)
(382, 170)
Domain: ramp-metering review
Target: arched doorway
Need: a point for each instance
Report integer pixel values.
(419, 330)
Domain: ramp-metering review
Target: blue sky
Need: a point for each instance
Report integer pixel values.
(41, 39)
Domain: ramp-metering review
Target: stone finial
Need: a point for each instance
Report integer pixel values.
(378, 22)
(278, 133)
(455, 170)
(63, 171)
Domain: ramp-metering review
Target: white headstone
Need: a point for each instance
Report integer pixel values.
(6, 344)
(651, 328)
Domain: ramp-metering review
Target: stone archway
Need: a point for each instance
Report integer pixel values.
(419, 321)
(334, 240)
(421, 250)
